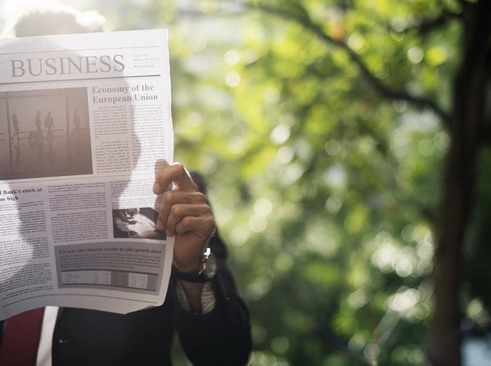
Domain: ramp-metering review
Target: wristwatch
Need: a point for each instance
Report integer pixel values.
(205, 274)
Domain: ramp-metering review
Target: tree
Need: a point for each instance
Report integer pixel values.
(341, 139)
(463, 119)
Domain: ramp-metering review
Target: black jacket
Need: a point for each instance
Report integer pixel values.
(221, 337)
(144, 338)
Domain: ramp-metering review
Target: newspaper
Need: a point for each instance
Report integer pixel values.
(83, 120)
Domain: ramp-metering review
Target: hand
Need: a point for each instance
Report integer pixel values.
(185, 213)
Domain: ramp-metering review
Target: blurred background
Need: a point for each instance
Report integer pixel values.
(347, 149)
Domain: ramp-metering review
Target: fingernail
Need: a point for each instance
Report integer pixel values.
(159, 226)
(156, 188)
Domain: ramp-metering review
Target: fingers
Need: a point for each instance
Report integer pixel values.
(176, 173)
(183, 209)
(177, 206)
(190, 218)
(174, 198)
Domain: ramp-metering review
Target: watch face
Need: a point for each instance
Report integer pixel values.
(211, 266)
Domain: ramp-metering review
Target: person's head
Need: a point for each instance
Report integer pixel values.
(48, 18)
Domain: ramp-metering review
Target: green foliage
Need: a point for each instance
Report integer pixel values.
(362, 174)
(324, 186)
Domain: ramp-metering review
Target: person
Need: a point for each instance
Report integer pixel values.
(206, 313)
(15, 122)
(76, 124)
(49, 124)
(37, 121)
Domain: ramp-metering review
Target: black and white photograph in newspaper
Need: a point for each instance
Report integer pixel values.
(136, 223)
(44, 133)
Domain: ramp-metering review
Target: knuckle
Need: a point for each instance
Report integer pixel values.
(210, 221)
(168, 197)
(179, 167)
(199, 197)
(206, 210)
(186, 222)
(176, 210)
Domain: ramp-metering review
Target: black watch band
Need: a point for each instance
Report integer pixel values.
(190, 277)
(206, 273)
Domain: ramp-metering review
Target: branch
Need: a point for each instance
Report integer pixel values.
(385, 91)
(341, 350)
(380, 87)
(428, 25)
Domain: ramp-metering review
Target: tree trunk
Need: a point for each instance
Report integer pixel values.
(466, 126)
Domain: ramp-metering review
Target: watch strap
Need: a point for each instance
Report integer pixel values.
(203, 275)
(190, 277)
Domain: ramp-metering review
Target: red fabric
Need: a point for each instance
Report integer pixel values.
(20, 339)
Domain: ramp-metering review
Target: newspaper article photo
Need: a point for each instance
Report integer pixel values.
(136, 223)
(45, 133)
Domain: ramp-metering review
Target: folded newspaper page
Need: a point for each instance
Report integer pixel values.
(83, 120)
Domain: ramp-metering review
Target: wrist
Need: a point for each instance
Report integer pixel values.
(192, 267)
(206, 270)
